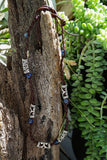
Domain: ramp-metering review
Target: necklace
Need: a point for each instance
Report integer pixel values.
(33, 106)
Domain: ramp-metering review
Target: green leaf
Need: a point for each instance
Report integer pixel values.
(93, 101)
(105, 106)
(86, 113)
(98, 58)
(81, 119)
(89, 51)
(95, 113)
(90, 27)
(84, 132)
(76, 83)
(95, 74)
(84, 125)
(83, 89)
(88, 64)
(88, 86)
(81, 67)
(87, 96)
(85, 103)
(104, 93)
(100, 143)
(81, 96)
(89, 75)
(89, 58)
(90, 109)
(105, 117)
(4, 10)
(94, 86)
(103, 150)
(88, 80)
(91, 118)
(92, 91)
(99, 89)
(98, 51)
(97, 64)
(99, 77)
(90, 70)
(99, 69)
(98, 83)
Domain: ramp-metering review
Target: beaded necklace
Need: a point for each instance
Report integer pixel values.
(28, 74)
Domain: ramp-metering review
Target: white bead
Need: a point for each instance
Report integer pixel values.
(64, 91)
(25, 66)
(43, 145)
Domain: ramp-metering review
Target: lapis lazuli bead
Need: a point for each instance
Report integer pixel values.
(29, 75)
(63, 52)
(56, 142)
(26, 35)
(30, 120)
(66, 101)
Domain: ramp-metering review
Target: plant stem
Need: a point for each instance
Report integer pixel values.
(103, 102)
(82, 114)
(83, 51)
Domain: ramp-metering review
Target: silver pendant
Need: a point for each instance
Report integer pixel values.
(32, 111)
(25, 66)
(62, 136)
(64, 91)
(43, 145)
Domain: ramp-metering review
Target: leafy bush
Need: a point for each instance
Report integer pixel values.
(88, 83)
(4, 33)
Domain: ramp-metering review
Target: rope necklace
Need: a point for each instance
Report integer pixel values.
(28, 74)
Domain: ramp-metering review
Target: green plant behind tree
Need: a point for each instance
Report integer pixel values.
(4, 32)
(88, 83)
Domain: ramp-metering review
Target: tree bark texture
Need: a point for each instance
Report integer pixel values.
(44, 64)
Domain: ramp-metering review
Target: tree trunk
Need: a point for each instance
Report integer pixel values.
(15, 92)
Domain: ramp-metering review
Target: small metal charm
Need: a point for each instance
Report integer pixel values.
(62, 136)
(25, 66)
(32, 111)
(64, 91)
(43, 145)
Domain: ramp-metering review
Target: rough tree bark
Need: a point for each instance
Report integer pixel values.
(15, 141)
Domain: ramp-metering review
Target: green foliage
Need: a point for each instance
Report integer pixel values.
(4, 32)
(88, 93)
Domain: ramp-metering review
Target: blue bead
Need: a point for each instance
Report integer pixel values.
(30, 120)
(56, 142)
(26, 35)
(63, 52)
(66, 101)
(29, 75)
